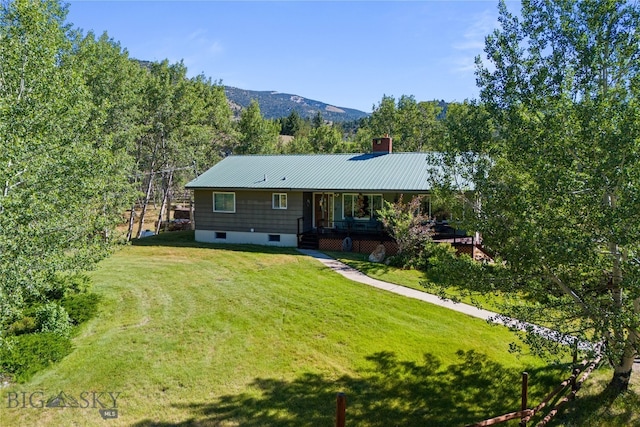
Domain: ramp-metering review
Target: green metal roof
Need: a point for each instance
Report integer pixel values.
(320, 172)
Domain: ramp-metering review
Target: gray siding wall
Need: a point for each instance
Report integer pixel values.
(253, 210)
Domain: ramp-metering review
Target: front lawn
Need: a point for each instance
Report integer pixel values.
(221, 335)
(595, 406)
(412, 278)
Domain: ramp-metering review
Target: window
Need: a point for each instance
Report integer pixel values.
(224, 202)
(274, 237)
(425, 205)
(361, 206)
(279, 201)
(221, 235)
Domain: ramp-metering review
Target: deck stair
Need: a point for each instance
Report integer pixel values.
(308, 241)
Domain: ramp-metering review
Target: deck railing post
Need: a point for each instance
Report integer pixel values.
(473, 247)
(525, 385)
(341, 409)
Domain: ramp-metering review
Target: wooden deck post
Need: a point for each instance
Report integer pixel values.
(341, 409)
(523, 407)
(473, 247)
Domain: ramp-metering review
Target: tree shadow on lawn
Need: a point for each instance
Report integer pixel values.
(617, 409)
(391, 393)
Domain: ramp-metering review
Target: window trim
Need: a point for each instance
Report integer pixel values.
(279, 198)
(224, 211)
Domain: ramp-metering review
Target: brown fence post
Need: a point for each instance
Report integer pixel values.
(525, 385)
(341, 409)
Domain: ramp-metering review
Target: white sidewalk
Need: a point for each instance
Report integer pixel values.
(357, 276)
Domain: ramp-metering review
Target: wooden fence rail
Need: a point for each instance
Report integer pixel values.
(526, 414)
(341, 409)
(575, 386)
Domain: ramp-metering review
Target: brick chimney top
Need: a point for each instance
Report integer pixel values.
(382, 145)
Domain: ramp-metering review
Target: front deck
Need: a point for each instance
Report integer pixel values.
(365, 236)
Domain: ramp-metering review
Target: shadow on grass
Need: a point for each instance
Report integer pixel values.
(391, 392)
(605, 407)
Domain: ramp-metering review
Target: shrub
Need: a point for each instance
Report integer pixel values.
(433, 252)
(78, 283)
(64, 284)
(406, 260)
(410, 229)
(81, 307)
(53, 318)
(24, 355)
(25, 325)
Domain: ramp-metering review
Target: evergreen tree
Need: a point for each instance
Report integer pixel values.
(317, 121)
(292, 124)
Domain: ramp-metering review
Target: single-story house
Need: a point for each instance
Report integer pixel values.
(314, 200)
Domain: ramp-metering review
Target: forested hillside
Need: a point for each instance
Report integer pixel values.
(275, 105)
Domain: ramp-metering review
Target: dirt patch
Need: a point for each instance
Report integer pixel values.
(333, 109)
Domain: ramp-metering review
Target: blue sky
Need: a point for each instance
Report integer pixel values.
(345, 53)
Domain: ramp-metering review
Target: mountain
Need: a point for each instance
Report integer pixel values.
(274, 105)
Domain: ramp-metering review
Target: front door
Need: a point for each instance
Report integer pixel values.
(323, 210)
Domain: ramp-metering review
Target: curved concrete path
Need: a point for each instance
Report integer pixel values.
(357, 276)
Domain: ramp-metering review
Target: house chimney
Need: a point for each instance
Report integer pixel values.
(382, 145)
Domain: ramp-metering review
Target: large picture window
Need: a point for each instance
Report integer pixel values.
(279, 201)
(361, 206)
(224, 202)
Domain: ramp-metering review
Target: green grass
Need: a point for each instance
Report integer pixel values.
(595, 405)
(192, 334)
(411, 278)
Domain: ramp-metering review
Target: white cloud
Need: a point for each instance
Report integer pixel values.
(202, 43)
(473, 38)
(463, 64)
(215, 47)
(471, 43)
(197, 34)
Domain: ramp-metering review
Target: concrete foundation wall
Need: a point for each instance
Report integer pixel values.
(238, 237)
